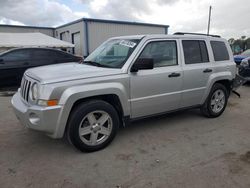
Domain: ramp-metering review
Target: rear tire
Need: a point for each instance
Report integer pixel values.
(216, 101)
(92, 125)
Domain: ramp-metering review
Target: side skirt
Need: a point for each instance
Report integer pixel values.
(127, 120)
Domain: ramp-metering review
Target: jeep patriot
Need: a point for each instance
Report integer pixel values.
(124, 79)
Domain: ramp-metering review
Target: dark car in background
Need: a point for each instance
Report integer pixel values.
(244, 68)
(240, 57)
(14, 62)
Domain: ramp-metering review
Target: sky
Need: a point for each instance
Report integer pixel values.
(229, 17)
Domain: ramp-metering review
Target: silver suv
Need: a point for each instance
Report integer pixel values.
(125, 79)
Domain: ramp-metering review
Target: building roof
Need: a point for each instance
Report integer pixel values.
(112, 21)
(26, 26)
(10, 40)
(90, 20)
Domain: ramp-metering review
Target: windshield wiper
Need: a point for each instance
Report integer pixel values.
(93, 63)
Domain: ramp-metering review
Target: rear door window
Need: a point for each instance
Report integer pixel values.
(219, 50)
(195, 51)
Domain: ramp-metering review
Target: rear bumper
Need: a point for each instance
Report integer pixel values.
(36, 117)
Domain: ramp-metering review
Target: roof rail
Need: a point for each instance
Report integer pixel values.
(185, 33)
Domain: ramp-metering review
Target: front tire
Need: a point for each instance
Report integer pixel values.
(216, 101)
(92, 125)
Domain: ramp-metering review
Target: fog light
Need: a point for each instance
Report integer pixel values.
(34, 119)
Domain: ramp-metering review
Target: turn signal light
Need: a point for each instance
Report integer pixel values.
(47, 103)
(52, 103)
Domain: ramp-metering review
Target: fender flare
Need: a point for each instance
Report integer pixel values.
(215, 78)
(75, 93)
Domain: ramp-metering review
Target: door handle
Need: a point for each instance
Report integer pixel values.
(207, 70)
(25, 63)
(174, 74)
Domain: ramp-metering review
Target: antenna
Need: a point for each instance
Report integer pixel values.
(209, 20)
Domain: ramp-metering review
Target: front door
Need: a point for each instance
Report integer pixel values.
(159, 89)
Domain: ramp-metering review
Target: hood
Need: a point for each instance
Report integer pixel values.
(68, 71)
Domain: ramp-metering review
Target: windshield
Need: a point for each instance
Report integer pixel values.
(246, 53)
(113, 53)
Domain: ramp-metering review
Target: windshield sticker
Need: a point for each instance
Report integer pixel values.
(127, 43)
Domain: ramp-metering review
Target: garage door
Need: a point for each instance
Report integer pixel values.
(76, 41)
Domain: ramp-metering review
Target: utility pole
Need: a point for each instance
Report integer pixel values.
(209, 19)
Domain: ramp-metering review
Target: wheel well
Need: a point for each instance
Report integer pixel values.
(227, 84)
(110, 98)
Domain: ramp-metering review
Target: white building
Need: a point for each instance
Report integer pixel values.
(87, 33)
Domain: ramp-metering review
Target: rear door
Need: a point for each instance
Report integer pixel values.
(196, 68)
(12, 67)
(159, 89)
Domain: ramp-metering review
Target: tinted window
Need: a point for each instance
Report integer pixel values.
(219, 50)
(49, 54)
(61, 55)
(204, 53)
(195, 51)
(41, 54)
(17, 55)
(164, 53)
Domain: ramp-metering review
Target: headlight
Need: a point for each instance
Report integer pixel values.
(34, 91)
(244, 63)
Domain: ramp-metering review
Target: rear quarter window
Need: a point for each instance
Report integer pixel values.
(62, 55)
(219, 50)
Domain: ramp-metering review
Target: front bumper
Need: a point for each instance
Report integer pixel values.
(36, 117)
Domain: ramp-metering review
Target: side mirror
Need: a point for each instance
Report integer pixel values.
(142, 64)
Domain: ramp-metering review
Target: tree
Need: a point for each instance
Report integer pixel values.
(247, 43)
(243, 37)
(231, 41)
(239, 45)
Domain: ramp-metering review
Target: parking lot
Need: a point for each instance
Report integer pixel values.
(182, 149)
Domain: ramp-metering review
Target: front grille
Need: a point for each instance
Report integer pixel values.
(25, 88)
